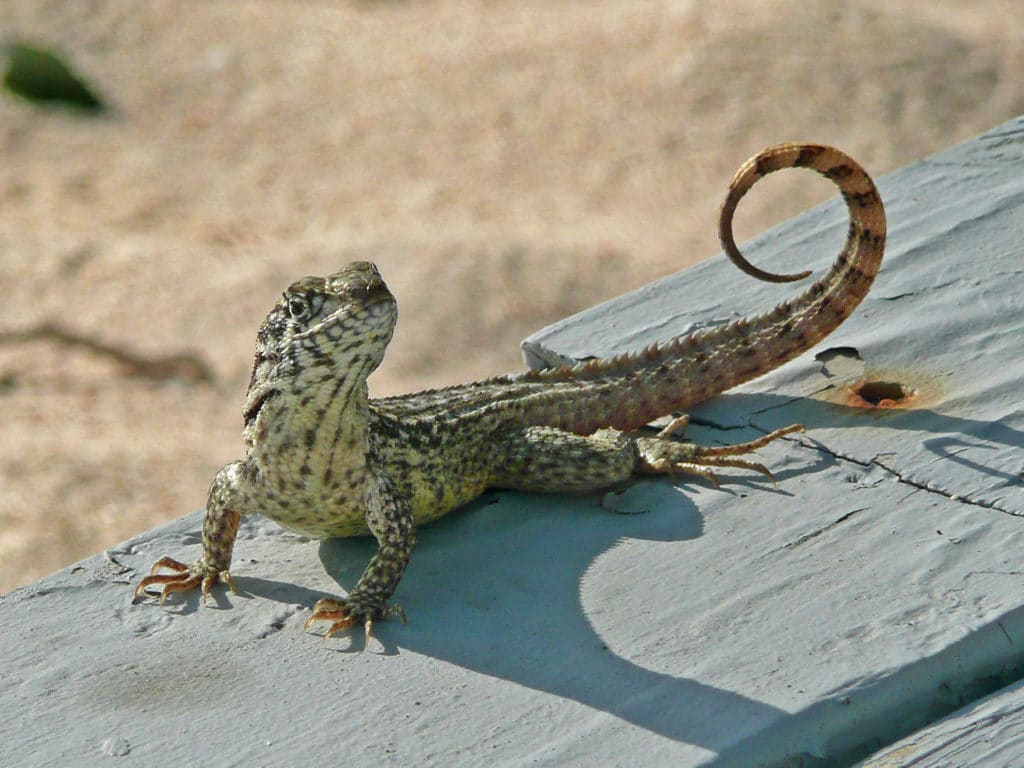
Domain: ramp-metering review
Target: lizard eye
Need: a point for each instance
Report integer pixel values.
(302, 308)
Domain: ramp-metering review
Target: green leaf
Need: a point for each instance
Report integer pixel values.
(39, 76)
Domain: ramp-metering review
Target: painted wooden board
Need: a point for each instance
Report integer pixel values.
(875, 589)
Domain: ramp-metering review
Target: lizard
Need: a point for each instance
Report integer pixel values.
(324, 459)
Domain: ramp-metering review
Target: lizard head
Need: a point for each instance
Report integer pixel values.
(335, 327)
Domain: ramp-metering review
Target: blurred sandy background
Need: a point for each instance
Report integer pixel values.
(505, 164)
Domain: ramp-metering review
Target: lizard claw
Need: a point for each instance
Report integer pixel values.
(663, 456)
(184, 578)
(347, 612)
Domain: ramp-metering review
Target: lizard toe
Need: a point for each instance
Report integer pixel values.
(344, 613)
(184, 578)
(661, 455)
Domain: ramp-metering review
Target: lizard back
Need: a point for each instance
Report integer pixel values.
(630, 390)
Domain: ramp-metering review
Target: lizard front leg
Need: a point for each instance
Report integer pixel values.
(220, 527)
(390, 520)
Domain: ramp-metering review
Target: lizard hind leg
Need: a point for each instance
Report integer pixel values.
(660, 455)
(551, 460)
(548, 459)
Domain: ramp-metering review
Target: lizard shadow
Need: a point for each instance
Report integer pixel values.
(501, 588)
(497, 589)
(973, 458)
(503, 583)
(770, 411)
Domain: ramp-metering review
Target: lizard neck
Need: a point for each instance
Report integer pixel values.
(316, 437)
(307, 420)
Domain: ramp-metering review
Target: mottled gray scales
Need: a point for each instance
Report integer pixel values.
(324, 459)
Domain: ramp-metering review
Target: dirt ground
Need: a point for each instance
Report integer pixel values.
(505, 164)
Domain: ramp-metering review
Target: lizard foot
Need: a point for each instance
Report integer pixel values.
(658, 455)
(349, 611)
(186, 577)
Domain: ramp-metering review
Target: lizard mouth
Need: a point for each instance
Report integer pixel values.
(253, 411)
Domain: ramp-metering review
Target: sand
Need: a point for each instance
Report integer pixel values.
(504, 164)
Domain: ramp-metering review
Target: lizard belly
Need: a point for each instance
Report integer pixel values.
(323, 516)
(433, 475)
(434, 495)
(315, 515)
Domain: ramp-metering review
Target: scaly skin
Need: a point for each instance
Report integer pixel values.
(324, 459)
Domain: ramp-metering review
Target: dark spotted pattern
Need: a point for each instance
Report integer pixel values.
(324, 459)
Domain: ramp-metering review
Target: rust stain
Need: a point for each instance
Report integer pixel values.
(873, 393)
(884, 391)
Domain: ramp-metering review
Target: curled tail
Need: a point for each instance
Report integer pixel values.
(632, 389)
(796, 325)
(865, 241)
